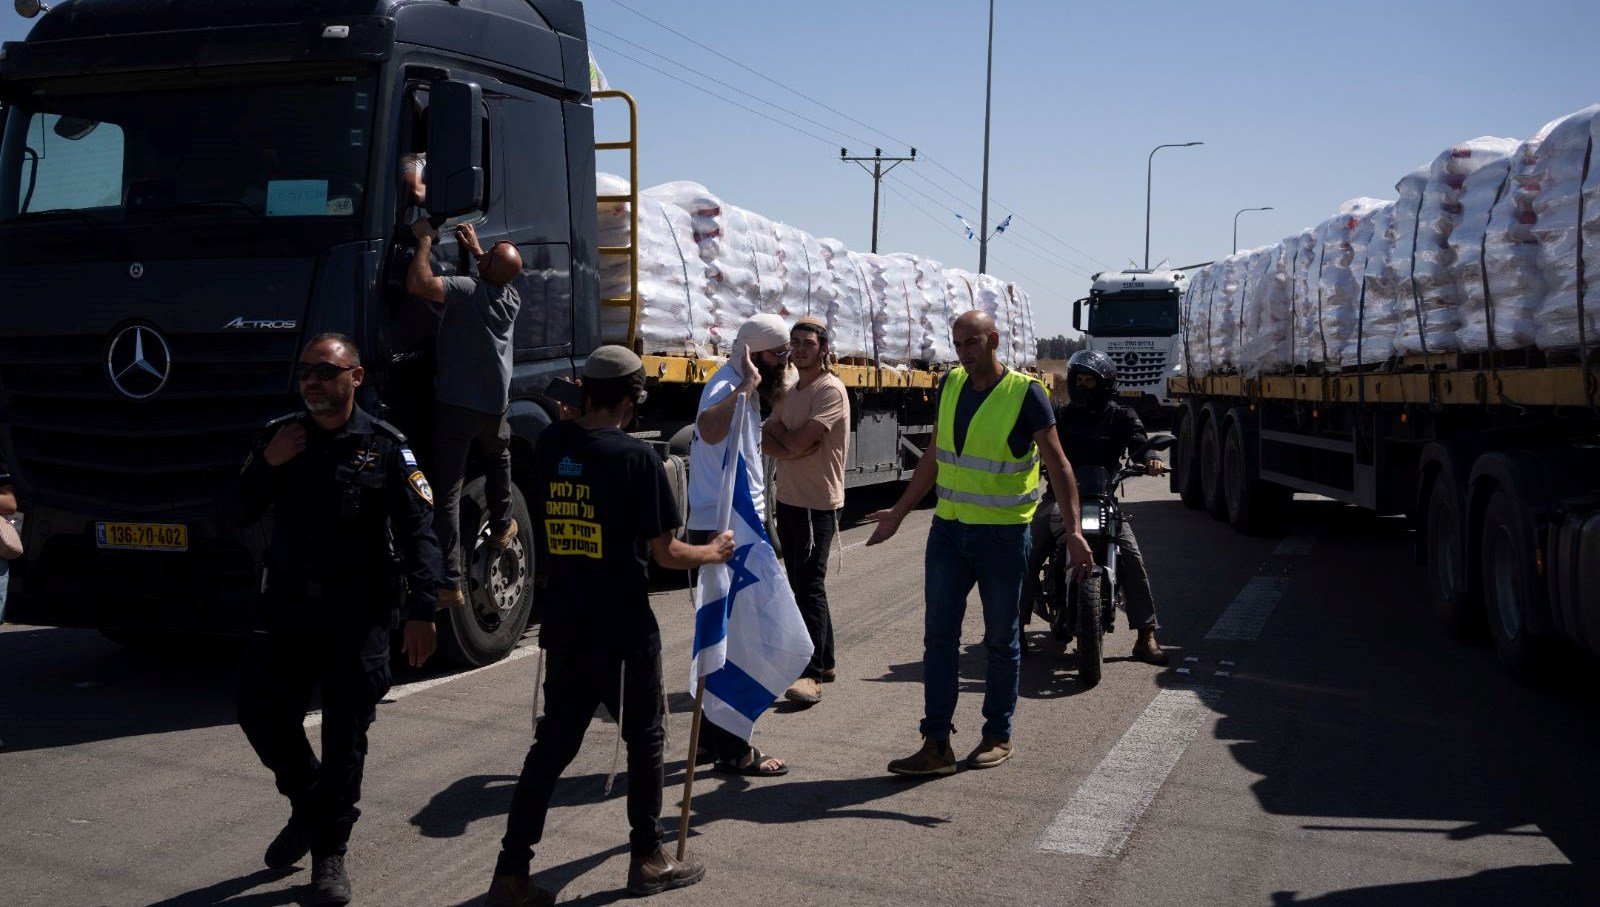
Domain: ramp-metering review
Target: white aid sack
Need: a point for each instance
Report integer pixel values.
(993, 300)
(1195, 308)
(1560, 207)
(1376, 293)
(806, 285)
(850, 318)
(1339, 264)
(1259, 334)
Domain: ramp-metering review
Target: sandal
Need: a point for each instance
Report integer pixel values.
(754, 769)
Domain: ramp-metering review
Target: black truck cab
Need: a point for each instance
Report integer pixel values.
(187, 193)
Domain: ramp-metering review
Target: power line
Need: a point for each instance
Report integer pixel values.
(1056, 260)
(1097, 263)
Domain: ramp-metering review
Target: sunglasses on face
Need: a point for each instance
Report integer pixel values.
(324, 371)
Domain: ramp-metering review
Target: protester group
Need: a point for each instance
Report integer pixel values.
(360, 547)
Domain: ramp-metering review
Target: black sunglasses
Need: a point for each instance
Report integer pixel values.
(325, 371)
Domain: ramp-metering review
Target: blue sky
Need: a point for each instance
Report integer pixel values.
(1300, 105)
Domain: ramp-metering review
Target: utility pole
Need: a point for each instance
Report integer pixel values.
(877, 171)
(983, 216)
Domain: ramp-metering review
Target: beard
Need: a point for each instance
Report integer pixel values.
(331, 400)
(774, 381)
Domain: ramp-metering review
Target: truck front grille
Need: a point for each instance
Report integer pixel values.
(79, 442)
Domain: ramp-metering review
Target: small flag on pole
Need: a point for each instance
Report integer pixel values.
(966, 227)
(1004, 224)
(750, 641)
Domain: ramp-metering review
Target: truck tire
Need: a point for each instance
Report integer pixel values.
(1185, 459)
(1254, 507)
(1210, 464)
(1511, 590)
(499, 587)
(1450, 596)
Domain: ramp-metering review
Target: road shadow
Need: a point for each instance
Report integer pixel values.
(1490, 888)
(1047, 671)
(1356, 712)
(233, 892)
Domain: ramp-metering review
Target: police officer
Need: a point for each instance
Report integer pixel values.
(349, 507)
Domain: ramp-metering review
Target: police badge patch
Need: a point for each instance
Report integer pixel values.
(419, 484)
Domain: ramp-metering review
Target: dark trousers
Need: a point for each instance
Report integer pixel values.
(579, 679)
(281, 673)
(806, 536)
(455, 428)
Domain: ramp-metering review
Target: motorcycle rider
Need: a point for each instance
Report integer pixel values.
(1096, 430)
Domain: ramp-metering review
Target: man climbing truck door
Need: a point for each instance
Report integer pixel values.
(203, 228)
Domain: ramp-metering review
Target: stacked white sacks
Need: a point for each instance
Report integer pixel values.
(1194, 307)
(1378, 292)
(895, 310)
(807, 284)
(850, 315)
(674, 311)
(1024, 339)
(1510, 288)
(1563, 203)
(1338, 264)
(991, 297)
(1259, 332)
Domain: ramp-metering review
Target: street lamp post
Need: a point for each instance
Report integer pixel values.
(1149, 162)
(1236, 223)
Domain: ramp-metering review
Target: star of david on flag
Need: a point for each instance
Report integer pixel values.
(750, 641)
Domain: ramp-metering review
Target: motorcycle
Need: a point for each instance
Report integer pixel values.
(1083, 605)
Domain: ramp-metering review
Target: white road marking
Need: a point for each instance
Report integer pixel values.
(1295, 544)
(1247, 615)
(406, 689)
(1108, 804)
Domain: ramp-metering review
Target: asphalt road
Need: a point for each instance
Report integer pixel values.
(1324, 746)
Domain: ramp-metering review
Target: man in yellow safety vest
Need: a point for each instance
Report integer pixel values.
(994, 427)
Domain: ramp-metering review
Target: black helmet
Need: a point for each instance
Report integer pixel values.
(1098, 364)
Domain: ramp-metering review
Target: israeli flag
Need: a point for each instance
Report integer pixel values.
(966, 227)
(1004, 224)
(750, 642)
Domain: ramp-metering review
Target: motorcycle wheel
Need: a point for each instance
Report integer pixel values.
(1091, 629)
(1060, 599)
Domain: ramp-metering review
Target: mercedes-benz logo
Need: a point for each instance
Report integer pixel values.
(1130, 358)
(138, 362)
(136, 270)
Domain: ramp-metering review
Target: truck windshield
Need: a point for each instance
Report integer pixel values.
(1134, 316)
(267, 156)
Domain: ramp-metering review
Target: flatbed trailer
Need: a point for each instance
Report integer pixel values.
(1494, 465)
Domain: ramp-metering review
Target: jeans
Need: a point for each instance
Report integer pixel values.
(806, 536)
(454, 430)
(579, 679)
(994, 559)
(1138, 600)
(5, 581)
(281, 672)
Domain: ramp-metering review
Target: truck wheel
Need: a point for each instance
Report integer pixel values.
(499, 585)
(1210, 465)
(1510, 590)
(1185, 456)
(1449, 592)
(1254, 507)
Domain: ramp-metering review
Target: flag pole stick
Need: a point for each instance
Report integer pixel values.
(688, 773)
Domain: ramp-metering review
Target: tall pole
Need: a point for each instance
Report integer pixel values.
(1236, 223)
(1148, 165)
(878, 172)
(988, 95)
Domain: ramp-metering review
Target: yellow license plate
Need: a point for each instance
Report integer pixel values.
(1132, 393)
(142, 536)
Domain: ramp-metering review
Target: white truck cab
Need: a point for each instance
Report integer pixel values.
(1133, 318)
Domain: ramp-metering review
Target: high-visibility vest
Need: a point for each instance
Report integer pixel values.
(984, 483)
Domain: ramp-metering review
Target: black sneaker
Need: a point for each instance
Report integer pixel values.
(329, 884)
(291, 844)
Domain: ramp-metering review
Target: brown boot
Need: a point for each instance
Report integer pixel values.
(509, 890)
(1147, 650)
(989, 753)
(935, 758)
(660, 872)
(503, 541)
(804, 691)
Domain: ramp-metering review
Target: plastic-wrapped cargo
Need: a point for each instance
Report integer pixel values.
(894, 320)
(850, 317)
(1510, 254)
(1195, 308)
(674, 311)
(992, 298)
(1338, 268)
(1559, 208)
(1435, 305)
(1391, 301)
(1302, 293)
(1024, 341)
(1475, 280)
(962, 289)
(802, 274)
(1260, 333)
(1222, 330)
(1377, 292)
(1591, 253)
(932, 307)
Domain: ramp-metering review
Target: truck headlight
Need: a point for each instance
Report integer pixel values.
(1091, 517)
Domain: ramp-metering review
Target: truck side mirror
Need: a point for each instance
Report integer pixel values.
(455, 148)
(1077, 315)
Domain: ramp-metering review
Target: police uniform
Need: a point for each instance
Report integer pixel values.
(352, 543)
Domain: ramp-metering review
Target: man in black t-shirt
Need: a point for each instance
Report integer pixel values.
(603, 508)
